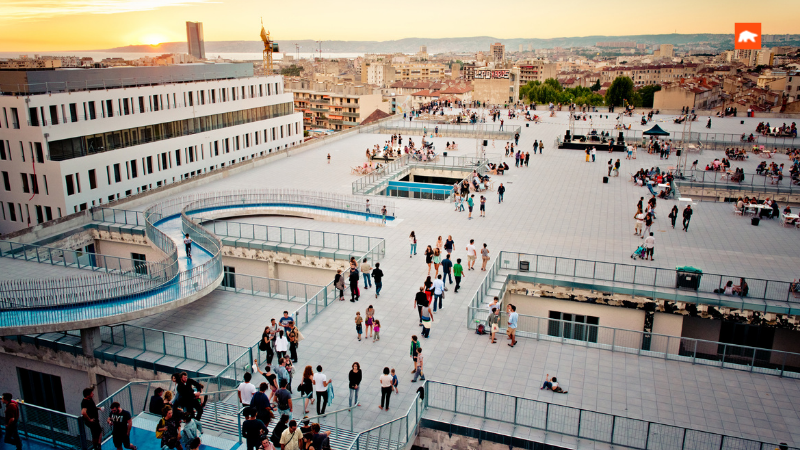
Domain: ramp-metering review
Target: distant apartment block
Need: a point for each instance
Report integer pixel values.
(650, 74)
(699, 93)
(419, 71)
(498, 52)
(334, 106)
(616, 44)
(73, 139)
(194, 37)
(536, 70)
(378, 73)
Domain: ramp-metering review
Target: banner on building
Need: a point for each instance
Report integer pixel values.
(487, 74)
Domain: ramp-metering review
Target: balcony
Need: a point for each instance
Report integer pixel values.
(321, 100)
(348, 114)
(336, 122)
(319, 109)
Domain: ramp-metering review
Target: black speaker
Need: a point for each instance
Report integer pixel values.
(742, 122)
(605, 180)
(567, 134)
(754, 221)
(621, 136)
(678, 152)
(485, 143)
(527, 125)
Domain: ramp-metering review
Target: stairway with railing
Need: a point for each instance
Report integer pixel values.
(129, 290)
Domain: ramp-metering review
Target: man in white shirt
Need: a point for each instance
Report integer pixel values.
(438, 292)
(246, 390)
(472, 255)
(649, 245)
(639, 223)
(321, 383)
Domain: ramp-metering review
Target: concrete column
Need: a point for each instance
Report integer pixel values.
(90, 340)
(272, 270)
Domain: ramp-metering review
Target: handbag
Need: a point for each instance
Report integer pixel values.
(300, 336)
(262, 345)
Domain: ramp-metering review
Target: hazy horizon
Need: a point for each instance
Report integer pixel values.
(87, 25)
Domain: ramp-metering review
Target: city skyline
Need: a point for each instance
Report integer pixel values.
(83, 25)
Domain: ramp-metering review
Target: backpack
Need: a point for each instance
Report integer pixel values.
(480, 329)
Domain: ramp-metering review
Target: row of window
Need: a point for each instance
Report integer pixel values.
(91, 110)
(35, 149)
(13, 212)
(159, 183)
(97, 143)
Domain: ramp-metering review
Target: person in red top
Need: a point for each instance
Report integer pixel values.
(12, 419)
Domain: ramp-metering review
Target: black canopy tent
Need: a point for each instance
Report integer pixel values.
(656, 131)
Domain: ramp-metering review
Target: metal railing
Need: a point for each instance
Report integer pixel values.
(652, 278)
(476, 130)
(269, 287)
(674, 348)
(119, 277)
(321, 203)
(711, 183)
(51, 427)
(169, 345)
(578, 422)
(120, 216)
(710, 141)
(395, 434)
(378, 180)
(296, 240)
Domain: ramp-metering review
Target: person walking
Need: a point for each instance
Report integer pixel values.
(437, 260)
(12, 421)
(321, 383)
(306, 387)
(535, 146)
(338, 283)
(649, 246)
(458, 272)
(472, 255)
(687, 216)
(541, 147)
(413, 352)
(588, 153)
(527, 158)
(616, 168)
(470, 204)
(377, 331)
(192, 429)
(283, 399)
(493, 322)
(421, 301)
(412, 239)
(516, 159)
(438, 292)
(260, 402)
(383, 214)
(449, 244)
(427, 321)
(91, 417)
(648, 222)
(500, 191)
(673, 215)
(246, 390)
(290, 438)
(483, 206)
(639, 216)
(187, 243)
(329, 158)
(386, 389)
(513, 317)
(294, 340)
(354, 382)
(447, 266)
(610, 166)
(253, 429)
(418, 373)
(484, 257)
(370, 320)
(429, 258)
(366, 272)
(377, 275)
(359, 320)
(353, 278)
(594, 153)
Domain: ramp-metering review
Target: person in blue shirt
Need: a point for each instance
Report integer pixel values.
(285, 321)
(513, 317)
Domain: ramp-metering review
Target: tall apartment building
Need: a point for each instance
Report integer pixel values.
(334, 106)
(792, 89)
(63, 152)
(536, 70)
(667, 50)
(378, 73)
(498, 52)
(194, 37)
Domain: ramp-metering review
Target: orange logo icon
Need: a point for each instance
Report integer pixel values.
(747, 36)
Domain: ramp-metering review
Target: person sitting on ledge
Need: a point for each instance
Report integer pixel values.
(552, 385)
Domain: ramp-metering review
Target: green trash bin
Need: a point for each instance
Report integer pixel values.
(688, 277)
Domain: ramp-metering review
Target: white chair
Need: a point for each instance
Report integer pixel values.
(737, 211)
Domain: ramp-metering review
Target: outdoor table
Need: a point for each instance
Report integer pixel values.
(662, 185)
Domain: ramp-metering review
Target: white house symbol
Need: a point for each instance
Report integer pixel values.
(745, 36)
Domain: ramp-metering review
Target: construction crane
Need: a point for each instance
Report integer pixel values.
(270, 47)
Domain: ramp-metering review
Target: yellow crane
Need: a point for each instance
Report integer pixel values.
(270, 47)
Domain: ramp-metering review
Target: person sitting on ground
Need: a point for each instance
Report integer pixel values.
(552, 384)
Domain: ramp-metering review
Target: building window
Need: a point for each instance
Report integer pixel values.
(92, 179)
(573, 326)
(139, 263)
(117, 173)
(25, 188)
(14, 119)
(34, 117)
(41, 389)
(39, 152)
(229, 279)
(34, 184)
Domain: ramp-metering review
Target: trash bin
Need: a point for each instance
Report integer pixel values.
(444, 154)
(754, 221)
(524, 266)
(688, 277)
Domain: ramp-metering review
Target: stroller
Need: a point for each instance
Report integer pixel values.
(638, 253)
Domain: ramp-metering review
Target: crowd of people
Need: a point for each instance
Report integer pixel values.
(782, 131)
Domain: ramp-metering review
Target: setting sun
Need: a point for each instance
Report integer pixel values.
(153, 39)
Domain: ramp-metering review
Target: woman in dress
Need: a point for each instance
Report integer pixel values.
(437, 260)
(307, 387)
(429, 258)
(449, 245)
(370, 320)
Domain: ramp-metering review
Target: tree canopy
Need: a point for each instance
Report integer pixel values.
(645, 95)
(552, 91)
(620, 91)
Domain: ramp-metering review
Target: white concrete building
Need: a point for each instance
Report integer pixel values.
(62, 152)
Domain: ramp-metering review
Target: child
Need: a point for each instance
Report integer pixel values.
(377, 329)
(359, 319)
(395, 382)
(418, 372)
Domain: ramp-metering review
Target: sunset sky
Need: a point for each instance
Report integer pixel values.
(62, 25)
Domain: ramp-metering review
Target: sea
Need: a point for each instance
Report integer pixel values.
(98, 56)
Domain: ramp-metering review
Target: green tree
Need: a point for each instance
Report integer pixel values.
(291, 71)
(621, 90)
(596, 86)
(647, 94)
